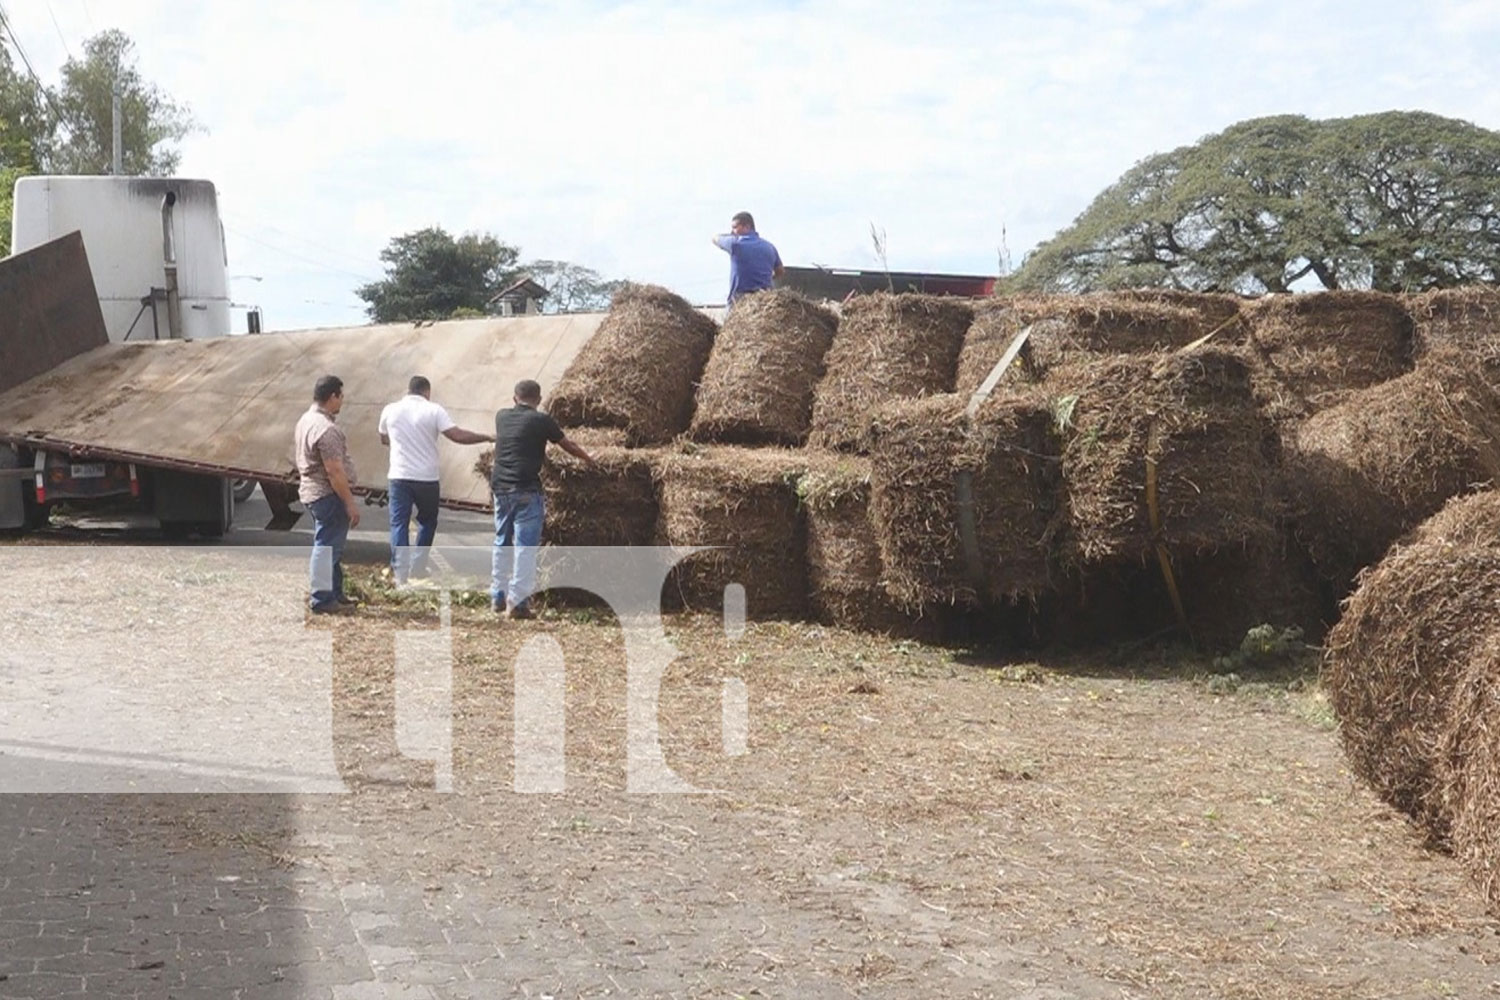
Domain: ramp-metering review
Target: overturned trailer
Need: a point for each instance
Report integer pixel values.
(167, 411)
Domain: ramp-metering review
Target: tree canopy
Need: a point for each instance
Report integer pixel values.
(571, 287)
(150, 120)
(1397, 201)
(67, 129)
(432, 275)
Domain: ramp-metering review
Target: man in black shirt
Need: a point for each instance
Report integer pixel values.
(522, 434)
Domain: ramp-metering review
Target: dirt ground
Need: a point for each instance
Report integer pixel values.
(905, 821)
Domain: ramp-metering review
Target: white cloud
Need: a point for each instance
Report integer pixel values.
(621, 135)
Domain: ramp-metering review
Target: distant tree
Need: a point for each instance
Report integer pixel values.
(1398, 201)
(23, 130)
(150, 120)
(571, 288)
(431, 275)
(24, 125)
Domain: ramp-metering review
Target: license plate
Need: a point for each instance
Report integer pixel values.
(87, 470)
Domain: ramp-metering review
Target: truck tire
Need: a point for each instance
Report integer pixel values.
(243, 488)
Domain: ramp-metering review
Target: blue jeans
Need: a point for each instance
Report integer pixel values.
(406, 493)
(330, 532)
(518, 535)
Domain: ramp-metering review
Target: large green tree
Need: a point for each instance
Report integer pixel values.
(151, 121)
(432, 275)
(1398, 201)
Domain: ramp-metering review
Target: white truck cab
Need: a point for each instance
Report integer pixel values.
(131, 226)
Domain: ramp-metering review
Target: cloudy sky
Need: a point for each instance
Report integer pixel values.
(622, 135)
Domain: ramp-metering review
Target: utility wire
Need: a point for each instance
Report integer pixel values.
(60, 36)
(302, 257)
(236, 216)
(16, 42)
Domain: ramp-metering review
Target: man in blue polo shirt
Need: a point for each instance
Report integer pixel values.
(753, 262)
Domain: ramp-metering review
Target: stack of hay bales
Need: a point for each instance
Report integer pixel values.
(743, 503)
(1070, 327)
(1396, 661)
(1367, 471)
(612, 502)
(1466, 319)
(1316, 349)
(1005, 454)
(638, 372)
(758, 385)
(1190, 421)
(1191, 415)
(887, 347)
(843, 556)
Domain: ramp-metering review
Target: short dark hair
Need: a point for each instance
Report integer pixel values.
(745, 219)
(528, 390)
(328, 386)
(419, 385)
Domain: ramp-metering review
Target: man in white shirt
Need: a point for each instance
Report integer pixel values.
(410, 428)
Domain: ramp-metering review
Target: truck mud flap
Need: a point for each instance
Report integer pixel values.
(279, 497)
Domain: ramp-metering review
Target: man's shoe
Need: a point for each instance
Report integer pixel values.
(349, 602)
(331, 609)
(498, 607)
(519, 613)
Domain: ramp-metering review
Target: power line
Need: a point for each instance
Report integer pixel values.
(60, 37)
(41, 88)
(305, 241)
(302, 257)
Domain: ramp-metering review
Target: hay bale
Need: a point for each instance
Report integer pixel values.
(1466, 319)
(1365, 472)
(744, 501)
(887, 347)
(612, 502)
(996, 323)
(1468, 765)
(638, 371)
(920, 448)
(1063, 326)
(1318, 348)
(843, 557)
(1394, 659)
(758, 385)
(1194, 415)
(1215, 311)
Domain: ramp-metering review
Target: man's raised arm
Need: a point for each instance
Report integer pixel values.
(460, 436)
